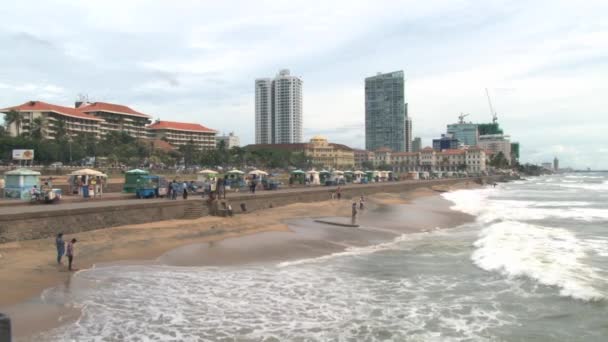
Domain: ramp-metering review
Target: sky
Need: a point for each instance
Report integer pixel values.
(544, 63)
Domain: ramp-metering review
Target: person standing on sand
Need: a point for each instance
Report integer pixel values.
(361, 202)
(354, 212)
(70, 253)
(60, 244)
(339, 193)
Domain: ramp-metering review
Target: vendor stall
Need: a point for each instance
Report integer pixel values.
(313, 177)
(206, 175)
(131, 178)
(20, 182)
(359, 177)
(87, 182)
(297, 177)
(235, 179)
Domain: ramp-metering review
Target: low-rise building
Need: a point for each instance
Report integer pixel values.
(362, 157)
(182, 133)
(319, 151)
(50, 121)
(229, 140)
(471, 160)
(495, 143)
(117, 118)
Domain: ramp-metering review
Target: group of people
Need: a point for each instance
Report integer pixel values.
(89, 185)
(61, 250)
(176, 188)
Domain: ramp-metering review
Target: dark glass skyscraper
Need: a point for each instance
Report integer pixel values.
(386, 112)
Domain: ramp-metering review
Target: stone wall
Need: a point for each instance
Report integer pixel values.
(28, 226)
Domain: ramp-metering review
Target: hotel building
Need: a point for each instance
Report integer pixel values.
(181, 133)
(117, 118)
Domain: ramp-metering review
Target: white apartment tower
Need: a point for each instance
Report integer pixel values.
(278, 109)
(263, 111)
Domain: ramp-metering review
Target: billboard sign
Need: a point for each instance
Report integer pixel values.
(23, 154)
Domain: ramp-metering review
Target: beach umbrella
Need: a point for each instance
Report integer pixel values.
(258, 173)
(235, 172)
(312, 172)
(297, 172)
(358, 172)
(338, 172)
(88, 172)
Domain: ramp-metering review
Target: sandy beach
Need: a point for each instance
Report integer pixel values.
(274, 235)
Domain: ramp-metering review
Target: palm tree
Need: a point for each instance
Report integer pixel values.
(37, 128)
(13, 117)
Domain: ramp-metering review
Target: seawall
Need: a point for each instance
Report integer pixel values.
(37, 225)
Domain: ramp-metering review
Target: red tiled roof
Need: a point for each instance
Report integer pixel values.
(180, 126)
(159, 144)
(111, 108)
(39, 106)
(383, 149)
(341, 146)
(427, 149)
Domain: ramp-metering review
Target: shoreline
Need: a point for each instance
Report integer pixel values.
(271, 235)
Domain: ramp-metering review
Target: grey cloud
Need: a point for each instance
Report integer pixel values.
(29, 38)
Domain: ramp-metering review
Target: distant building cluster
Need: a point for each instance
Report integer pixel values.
(97, 119)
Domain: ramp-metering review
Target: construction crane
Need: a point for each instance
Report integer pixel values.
(492, 111)
(461, 117)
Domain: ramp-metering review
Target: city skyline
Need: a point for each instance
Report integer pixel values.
(198, 67)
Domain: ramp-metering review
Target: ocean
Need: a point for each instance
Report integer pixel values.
(533, 266)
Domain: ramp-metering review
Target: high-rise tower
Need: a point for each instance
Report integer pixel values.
(278, 109)
(385, 112)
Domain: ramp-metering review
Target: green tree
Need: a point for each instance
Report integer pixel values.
(37, 128)
(499, 161)
(13, 117)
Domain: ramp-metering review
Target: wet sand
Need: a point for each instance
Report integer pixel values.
(272, 235)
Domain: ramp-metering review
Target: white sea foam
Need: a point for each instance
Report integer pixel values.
(309, 302)
(355, 251)
(552, 256)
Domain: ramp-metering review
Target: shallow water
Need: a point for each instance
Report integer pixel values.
(533, 266)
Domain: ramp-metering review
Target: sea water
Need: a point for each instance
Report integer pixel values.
(532, 267)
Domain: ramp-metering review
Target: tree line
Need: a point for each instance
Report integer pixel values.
(121, 149)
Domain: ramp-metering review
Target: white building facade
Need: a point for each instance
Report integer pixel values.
(278, 109)
(263, 111)
(230, 140)
(495, 143)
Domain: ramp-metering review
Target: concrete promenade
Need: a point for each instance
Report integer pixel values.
(41, 221)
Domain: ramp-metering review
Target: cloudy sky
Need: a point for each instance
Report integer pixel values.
(545, 63)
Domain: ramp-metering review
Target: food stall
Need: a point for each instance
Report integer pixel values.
(131, 178)
(19, 183)
(359, 177)
(206, 176)
(324, 176)
(313, 177)
(337, 177)
(298, 177)
(84, 182)
(151, 186)
(235, 179)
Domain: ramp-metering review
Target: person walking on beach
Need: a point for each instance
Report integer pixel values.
(354, 212)
(70, 253)
(339, 193)
(361, 202)
(60, 244)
